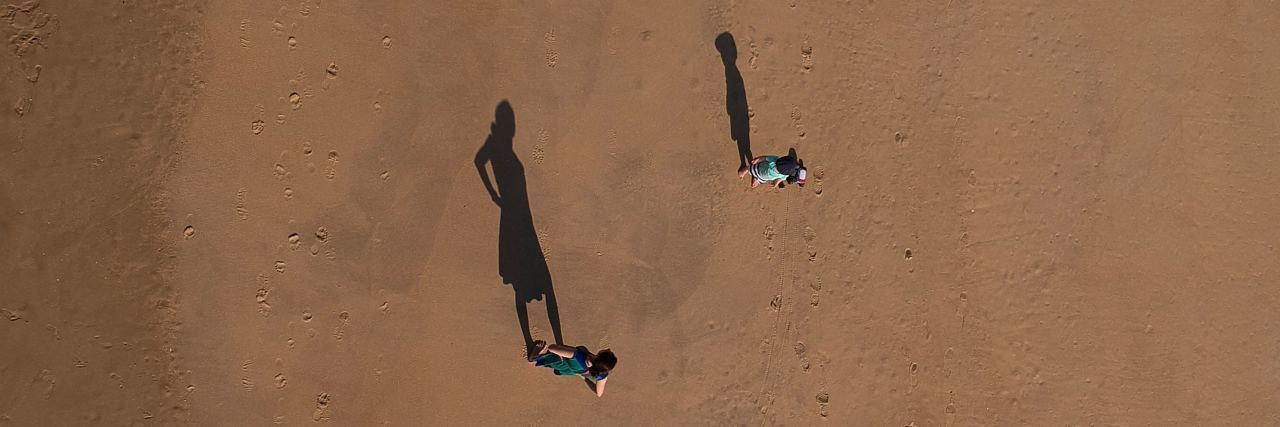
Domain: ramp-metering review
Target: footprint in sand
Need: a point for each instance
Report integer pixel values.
(322, 234)
(22, 106)
(340, 331)
(809, 236)
(241, 211)
(306, 148)
(189, 232)
(281, 381)
(331, 171)
(293, 42)
(800, 352)
(280, 266)
(305, 7)
(796, 121)
(295, 241)
(551, 53)
(816, 285)
(540, 149)
(322, 408)
(245, 26)
(806, 56)
(264, 307)
(332, 70)
(257, 126)
(386, 42)
(306, 315)
(824, 400)
(295, 100)
(288, 193)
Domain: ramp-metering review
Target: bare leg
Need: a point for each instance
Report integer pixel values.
(742, 171)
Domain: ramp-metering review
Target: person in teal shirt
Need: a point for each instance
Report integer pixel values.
(774, 170)
(575, 361)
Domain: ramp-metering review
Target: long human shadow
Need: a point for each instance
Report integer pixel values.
(520, 260)
(735, 97)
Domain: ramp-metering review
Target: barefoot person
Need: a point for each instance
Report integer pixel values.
(774, 170)
(571, 361)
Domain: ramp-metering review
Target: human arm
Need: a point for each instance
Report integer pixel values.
(597, 386)
(562, 350)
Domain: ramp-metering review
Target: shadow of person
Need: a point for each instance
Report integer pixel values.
(520, 260)
(735, 97)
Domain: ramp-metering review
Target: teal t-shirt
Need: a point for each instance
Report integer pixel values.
(576, 365)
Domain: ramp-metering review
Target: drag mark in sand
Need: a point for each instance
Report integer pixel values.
(779, 306)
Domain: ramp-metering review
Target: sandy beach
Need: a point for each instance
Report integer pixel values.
(308, 212)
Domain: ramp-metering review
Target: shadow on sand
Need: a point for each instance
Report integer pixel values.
(520, 260)
(735, 97)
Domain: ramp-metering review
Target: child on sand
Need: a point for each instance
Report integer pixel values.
(570, 361)
(774, 170)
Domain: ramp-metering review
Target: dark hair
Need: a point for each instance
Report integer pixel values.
(604, 362)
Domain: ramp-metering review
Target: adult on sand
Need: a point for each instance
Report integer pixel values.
(774, 170)
(575, 361)
(520, 259)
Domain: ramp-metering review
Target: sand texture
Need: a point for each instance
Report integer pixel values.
(357, 212)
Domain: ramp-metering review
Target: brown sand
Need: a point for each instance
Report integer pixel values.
(241, 213)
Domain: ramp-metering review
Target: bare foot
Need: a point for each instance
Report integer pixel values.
(539, 348)
(742, 171)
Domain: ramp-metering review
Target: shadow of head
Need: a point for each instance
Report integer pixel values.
(727, 47)
(504, 122)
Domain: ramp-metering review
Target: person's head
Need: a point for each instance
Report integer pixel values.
(728, 49)
(504, 122)
(604, 362)
(792, 168)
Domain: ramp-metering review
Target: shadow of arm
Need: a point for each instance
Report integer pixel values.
(482, 157)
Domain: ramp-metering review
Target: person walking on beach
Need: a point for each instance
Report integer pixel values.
(575, 361)
(775, 171)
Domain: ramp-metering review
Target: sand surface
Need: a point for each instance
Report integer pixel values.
(272, 212)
